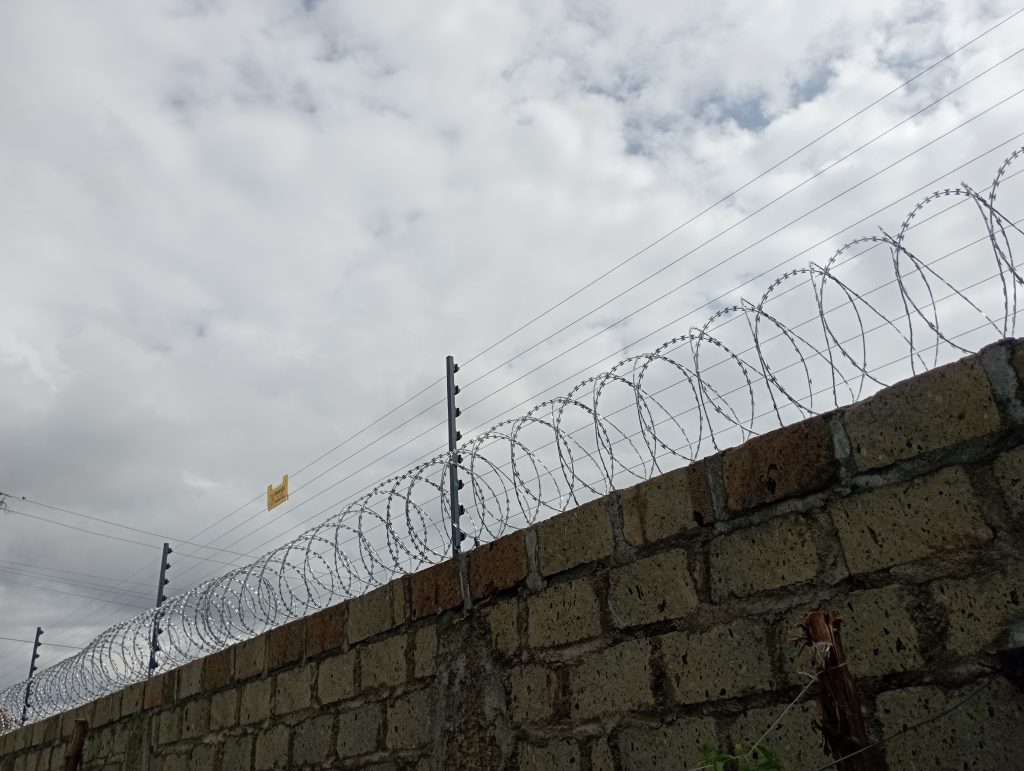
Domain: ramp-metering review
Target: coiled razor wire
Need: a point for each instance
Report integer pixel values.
(748, 369)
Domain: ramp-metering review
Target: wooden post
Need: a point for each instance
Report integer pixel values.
(73, 758)
(839, 715)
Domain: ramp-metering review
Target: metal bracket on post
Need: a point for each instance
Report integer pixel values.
(31, 672)
(454, 483)
(154, 642)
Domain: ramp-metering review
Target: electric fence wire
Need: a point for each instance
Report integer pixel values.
(336, 560)
(893, 203)
(583, 288)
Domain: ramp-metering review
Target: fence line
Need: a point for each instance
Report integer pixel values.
(747, 370)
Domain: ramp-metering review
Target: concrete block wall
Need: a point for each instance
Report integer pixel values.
(629, 632)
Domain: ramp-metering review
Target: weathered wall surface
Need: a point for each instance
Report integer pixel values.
(628, 632)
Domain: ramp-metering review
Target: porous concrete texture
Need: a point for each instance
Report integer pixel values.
(668, 746)
(285, 644)
(905, 522)
(766, 556)
(532, 693)
(720, 663)
(359, 730)
(336, 678)
(793, 460)
(611, 680)
(435, 589)
(982, 729)
(794, 740)
(936, 409)
(409, 720)
(563, 753)
(576, 537)
(979, 609)
(666, 505)
(383, 663)
(632, 630)
(371, 613)
(564, 613)
(497, 566)
(652, 589)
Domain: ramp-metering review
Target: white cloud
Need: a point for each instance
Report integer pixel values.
(233, 233)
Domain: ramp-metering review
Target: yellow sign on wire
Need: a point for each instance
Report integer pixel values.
(277, 495)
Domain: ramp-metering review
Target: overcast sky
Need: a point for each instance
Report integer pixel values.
(235, 233)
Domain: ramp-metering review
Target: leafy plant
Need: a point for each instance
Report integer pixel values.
(745, 758)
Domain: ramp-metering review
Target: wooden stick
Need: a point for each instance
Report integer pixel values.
(73, 758)
(839, 715)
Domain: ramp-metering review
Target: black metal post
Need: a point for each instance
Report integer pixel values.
(154, 643)
(454, 484)
(31, 671)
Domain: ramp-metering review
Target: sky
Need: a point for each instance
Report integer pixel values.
(235, 234)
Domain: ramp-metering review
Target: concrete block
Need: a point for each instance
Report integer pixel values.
(313, 741)
(160, 690)
(382, 664)
(667, 747)
(293, 689)
(336, 678)
(563, 613)
(978, 609)
(878, 632)
(325, 630)
(409, 721)
(251, 658)
(779, 552)
(934, 410)
(532, 693)
(907, 522)
(719, 663)
(561, 753)
(238, 752)
(178, 761)
(254, 702)
(286, 644)
(131, 699)
(790, 461)
(204, 758)
(601, 758)
(168, 725)
(667, 505)
(1009, 472)
(616, 679)
(190, 679)
(652, 589)
(272, 748)
(497, 566)
(196, 719)
(359, 730)
(435, 589)
(503, 622)
(371, 613)
(108, 709)
(425, 642)
(794, 740)
(217, 669)
(224, 710)
(983, 733)
(575, 537)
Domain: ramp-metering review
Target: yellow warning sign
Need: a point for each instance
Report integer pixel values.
(277, 495)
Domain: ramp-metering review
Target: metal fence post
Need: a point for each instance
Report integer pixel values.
(454, 483)
(31, 671)
(154, 642)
